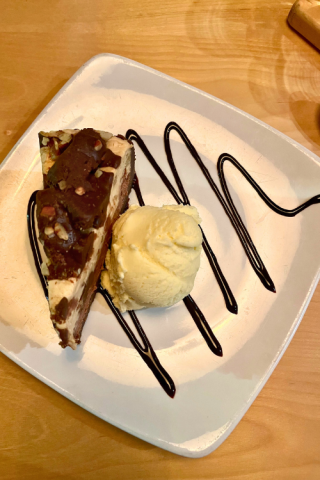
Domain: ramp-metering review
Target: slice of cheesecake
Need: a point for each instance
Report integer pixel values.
(87, 176)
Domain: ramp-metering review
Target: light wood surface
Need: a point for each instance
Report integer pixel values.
(241, 51)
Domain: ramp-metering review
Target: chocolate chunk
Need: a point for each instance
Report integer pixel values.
(64, 335)
(78, 161)
(109, 159)
(62, 308)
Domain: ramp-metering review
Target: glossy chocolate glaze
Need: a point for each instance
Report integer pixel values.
(75, 201)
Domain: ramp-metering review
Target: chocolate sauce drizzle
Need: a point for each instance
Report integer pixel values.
(225, 157)
(34, 242)
(146, 351)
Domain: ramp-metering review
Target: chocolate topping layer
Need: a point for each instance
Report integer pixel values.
(74, 201)
(77, 162)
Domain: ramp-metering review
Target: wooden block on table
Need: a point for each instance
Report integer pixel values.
(304, 17)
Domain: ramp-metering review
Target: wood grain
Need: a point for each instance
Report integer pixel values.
(240, 51)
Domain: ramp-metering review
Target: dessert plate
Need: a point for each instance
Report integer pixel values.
(106, 375)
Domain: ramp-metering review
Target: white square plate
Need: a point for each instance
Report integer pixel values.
(106, 375)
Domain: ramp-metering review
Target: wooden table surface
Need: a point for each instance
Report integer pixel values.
(241, 51)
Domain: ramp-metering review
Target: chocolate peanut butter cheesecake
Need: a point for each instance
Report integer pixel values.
(87, 176)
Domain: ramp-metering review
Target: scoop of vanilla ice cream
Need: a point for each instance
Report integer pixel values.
(154, 256)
